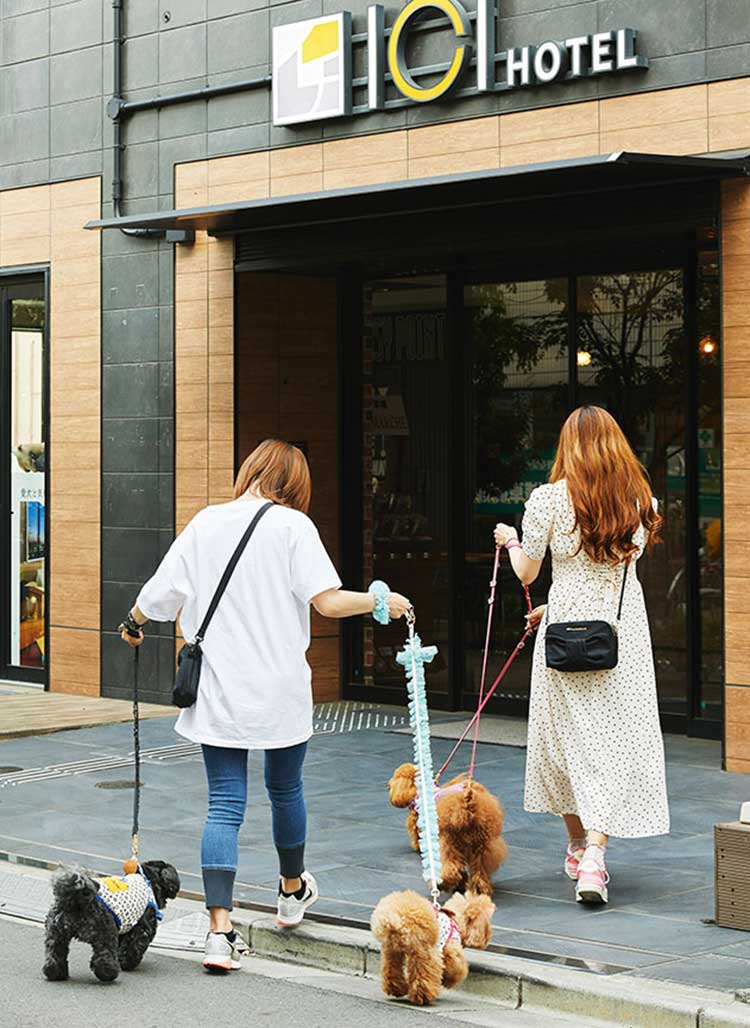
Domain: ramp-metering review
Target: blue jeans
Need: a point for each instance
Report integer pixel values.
(226, 771)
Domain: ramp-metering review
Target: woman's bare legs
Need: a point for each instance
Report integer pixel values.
(576, 831)
(597, 839)
(578, 835)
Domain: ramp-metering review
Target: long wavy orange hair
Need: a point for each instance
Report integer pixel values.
(608, 485)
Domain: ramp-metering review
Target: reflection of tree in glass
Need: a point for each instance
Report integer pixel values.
(507, 343)
(632, 325)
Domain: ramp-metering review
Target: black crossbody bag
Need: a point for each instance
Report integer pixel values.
(584, 645)
(187, 679)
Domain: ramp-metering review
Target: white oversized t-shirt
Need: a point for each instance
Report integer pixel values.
(255, 685)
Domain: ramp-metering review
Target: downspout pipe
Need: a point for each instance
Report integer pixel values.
(115, 110)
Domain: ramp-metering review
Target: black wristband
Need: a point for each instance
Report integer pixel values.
(131, 626)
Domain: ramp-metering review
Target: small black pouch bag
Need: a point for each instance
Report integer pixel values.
(187, 680)
(584, 645)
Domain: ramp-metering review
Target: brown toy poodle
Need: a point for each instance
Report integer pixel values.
(471, 823)
(422, 949)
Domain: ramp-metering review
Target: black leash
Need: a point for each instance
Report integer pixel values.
(136, 753)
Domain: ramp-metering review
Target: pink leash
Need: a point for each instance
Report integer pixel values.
(490, 612)
(485, 698)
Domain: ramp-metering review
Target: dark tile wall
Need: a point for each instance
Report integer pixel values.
(56, 60)
(137, 451)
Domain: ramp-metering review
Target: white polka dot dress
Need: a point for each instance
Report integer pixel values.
(595, 747)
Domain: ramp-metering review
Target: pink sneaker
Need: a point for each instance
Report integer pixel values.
(592, 877)
(573, 858)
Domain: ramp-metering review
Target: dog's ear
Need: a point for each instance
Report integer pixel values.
(402, 786)
(476, 929)
(164, 880)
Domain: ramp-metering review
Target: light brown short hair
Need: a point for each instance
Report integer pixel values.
(278, 471)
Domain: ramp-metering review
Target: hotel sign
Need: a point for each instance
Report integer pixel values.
(312, 61)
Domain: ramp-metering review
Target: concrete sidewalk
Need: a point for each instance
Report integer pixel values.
(343, 961)
(657, 926)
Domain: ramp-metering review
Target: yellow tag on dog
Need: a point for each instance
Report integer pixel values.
(115, 884)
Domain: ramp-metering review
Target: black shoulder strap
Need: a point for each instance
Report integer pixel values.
(229, 570)
(622, 590)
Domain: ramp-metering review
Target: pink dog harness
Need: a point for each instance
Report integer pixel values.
(447, 929)
(439, 793)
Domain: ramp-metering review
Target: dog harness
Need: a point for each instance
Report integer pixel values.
(127, 899)
(447, 929)
(439, 793)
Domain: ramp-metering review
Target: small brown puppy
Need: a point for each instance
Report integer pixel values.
(471, 823)
(422, 950)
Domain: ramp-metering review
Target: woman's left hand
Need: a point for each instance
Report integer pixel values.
(503, 533)
(533, 619)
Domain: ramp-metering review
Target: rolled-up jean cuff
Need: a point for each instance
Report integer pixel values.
(291, 860)
(218, 885)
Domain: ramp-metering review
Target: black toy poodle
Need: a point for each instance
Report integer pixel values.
(116, 916)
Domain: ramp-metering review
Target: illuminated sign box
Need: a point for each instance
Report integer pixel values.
(312, 79)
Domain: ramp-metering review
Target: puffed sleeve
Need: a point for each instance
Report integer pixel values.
(536, 527)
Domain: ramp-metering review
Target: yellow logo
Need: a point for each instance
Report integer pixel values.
(115, 884)
(312, 69)
(399, 69)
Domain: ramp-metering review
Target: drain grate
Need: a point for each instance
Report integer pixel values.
(119, 784)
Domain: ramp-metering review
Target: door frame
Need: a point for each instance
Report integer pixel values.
(682, 257)
(22, 280)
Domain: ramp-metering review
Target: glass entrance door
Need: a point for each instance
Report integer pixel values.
(517, 396)
(644, 345)
(464, 386)
(631, 360)
(23, 567)
(408, 469)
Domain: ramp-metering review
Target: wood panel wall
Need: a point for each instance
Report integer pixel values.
(736, 347)
(286, 370)
(44, 225)
(684, 120)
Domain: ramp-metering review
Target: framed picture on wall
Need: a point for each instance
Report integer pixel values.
(34, 531)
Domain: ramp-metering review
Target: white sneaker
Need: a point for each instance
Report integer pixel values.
(291, 910)
(222, 955)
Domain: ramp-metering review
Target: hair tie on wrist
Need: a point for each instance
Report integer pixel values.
(381, 592)
(131, 626)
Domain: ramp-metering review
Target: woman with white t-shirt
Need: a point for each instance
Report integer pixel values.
(255, 683)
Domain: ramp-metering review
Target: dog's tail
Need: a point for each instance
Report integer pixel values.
(73, 889)
(406, 920)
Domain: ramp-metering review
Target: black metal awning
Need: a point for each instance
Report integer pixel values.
(597, 174)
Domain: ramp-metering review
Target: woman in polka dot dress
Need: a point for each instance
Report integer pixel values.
(595, 751)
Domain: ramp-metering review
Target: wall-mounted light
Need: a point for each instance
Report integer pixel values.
(707, 346)
(583, 358)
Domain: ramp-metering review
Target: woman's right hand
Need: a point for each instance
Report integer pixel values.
(131, 640)
(398, 605)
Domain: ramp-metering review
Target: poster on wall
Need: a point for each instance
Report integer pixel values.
(27, 563)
